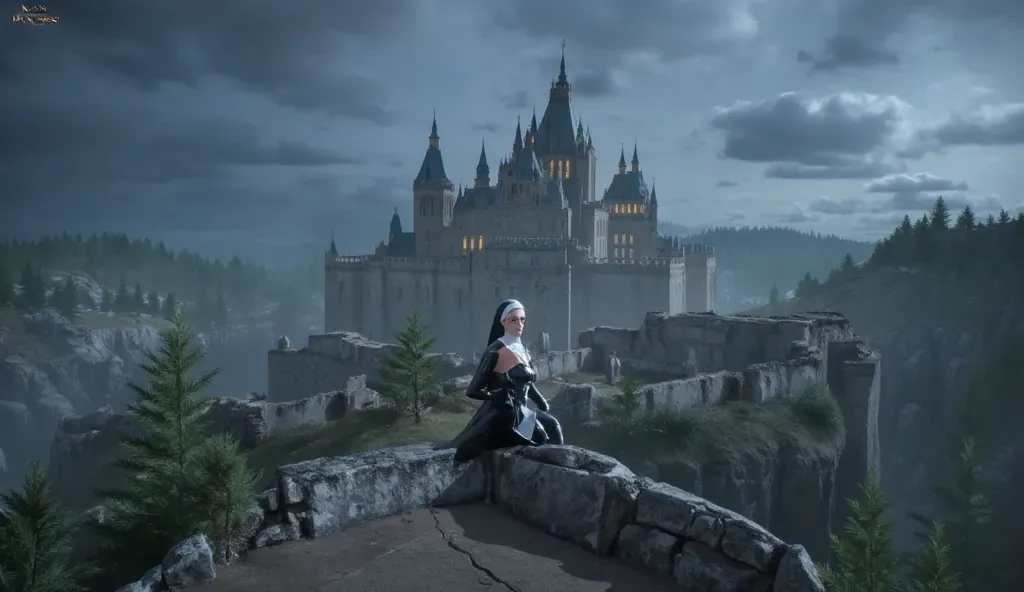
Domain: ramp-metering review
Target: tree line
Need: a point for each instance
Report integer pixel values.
(178, 482)
(111, 259)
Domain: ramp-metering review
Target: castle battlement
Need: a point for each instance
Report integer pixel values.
(348, 260)
(638, 262)
(523, 243)
(698, 248)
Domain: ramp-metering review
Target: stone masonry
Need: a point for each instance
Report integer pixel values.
(571, 493)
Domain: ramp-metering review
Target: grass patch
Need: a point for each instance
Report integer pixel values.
(550, 387)
(732, 432)
(359, 431)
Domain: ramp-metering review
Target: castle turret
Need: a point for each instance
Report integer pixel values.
(333, 249)
(636, 160)
(396, 225)
(483, 172)
(622, 161)
(433, 197)
(517, 144)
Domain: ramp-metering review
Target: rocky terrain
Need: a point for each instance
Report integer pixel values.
(52, 367)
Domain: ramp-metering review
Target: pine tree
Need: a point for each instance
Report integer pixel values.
(773, 296)
(33, 289)
(410, 372)
(933, 567)
(67, 301)
(35, 540)
(966, 219)
(963, 504)
(6, 288)
(939, 218)
(170, 307)
(221, 310)
(226, 494)
(865, 559)
(123, 300)
(157, 506)
(847, 264)
(153, 303)
(107, 301)
(138, 299)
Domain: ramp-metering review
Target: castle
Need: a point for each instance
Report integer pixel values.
(538, 233)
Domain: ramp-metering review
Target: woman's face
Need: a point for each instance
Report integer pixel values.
(514, 322)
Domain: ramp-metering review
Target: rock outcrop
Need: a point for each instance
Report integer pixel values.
(571, 493)
(189, 563)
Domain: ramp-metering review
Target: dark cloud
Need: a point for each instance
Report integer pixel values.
(130, 145)
(489, 127)
(833, 207)
(998, 125)
(839, 136)
(726, 183)
(515, 101)
(915, 182)
(595, 84)
(670, 28)
(843, 168)
(848, 51)
(262, 46)
(866, 28)
(797, 215)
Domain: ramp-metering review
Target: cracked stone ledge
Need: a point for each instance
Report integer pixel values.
(455, 547)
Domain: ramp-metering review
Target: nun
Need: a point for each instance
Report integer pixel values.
(504, 381)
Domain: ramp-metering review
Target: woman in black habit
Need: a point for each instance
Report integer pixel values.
(504, 380)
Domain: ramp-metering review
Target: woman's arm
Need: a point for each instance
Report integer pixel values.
(485, 369)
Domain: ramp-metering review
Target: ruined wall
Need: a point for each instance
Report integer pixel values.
(701, 270)
(330, 360)
(568, 492)
(252, 421)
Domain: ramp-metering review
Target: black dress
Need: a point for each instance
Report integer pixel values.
(504, 419)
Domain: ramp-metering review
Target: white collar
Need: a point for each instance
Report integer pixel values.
(516, 345)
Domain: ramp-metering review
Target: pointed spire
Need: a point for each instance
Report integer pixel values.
(333, 250)
(482, 163)
(590, 140)
(622, 160)
(636, 159)
(517, 146)
(483, 171)
(654, 194)
(434, 138)
(396, 224)
(562, 79)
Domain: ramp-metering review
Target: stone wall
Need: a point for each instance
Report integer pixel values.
(571, 493)
(255, 421)
(85, 446)
(331, 359)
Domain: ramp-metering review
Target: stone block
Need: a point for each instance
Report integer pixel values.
(339, 491)
(647, 548)
(570, 492)
(699, 567)
(189, 563)
(797, 572)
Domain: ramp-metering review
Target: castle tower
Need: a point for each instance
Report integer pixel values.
(433, 199)
(636, 160)
(622, 160)
(396, 226)
(483, 171)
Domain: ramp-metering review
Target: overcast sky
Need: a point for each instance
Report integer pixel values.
(251, 122)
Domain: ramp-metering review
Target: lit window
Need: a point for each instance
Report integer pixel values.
(480, 241)
(643, 209)
(465, 243)
(631, 237)
(472, 244)
(551, 169)
(566, 170)
(631, 253)
(616, 239)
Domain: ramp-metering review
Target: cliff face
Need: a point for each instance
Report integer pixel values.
(52, 367)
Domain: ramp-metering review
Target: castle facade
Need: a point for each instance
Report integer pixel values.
(538, 233)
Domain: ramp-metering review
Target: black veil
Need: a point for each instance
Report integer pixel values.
(497, 330)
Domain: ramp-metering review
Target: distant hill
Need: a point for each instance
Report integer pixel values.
(753, 259)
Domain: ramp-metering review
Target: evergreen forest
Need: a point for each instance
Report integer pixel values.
(139, 276)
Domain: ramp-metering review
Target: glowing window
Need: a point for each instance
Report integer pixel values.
(472, 244)
(631, 237)
(615, 239)
(480, 242)
(566, 169)
(465, 243)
